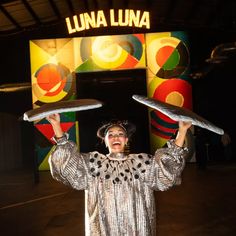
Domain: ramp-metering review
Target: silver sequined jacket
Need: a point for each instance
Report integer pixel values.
(119, 189)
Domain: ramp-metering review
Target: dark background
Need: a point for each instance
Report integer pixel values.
(115, 90)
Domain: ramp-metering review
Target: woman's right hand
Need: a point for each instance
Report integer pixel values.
(54, 120)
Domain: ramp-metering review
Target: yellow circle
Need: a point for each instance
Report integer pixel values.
(175, 98)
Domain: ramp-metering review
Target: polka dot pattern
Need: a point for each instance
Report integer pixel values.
(130, 169)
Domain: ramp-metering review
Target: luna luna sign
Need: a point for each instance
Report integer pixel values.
(120, 17)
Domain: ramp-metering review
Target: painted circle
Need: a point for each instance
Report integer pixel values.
(106, 53)
(53, 82)
(168, 57)
(50, 79)
(116, 52)
(176, 92)
(175, 98)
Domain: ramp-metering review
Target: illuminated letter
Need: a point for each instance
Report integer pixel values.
(101, 20)
(89, 20)
(77, 23)
(69, 27)
(145, 20)
(134, 19)
(112, 18)
(120, 17)
(127, 17)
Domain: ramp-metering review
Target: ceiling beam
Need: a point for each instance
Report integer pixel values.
(7, 14)
(55, 9)
(7, 1)
(31, 11)
(70, 5)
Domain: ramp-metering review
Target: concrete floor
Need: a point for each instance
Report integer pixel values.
(205, 204)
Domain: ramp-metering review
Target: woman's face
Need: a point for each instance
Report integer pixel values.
(116, 139)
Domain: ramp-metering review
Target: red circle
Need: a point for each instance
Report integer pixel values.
(48, 77)
(173, 85)
(163, 54)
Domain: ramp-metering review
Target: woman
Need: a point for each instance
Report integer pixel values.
(118, 187)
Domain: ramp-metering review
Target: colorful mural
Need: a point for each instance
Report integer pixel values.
(168, 68)
(54, 63)
(53, 80)
(110, 52)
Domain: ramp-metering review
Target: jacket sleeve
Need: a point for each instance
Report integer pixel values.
(166, 167)
(68, 166)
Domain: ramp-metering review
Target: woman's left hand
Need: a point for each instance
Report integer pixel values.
(184, 125)
(183, 128)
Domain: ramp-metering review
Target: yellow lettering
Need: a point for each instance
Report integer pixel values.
(145, 20)
(112, 18)
(127, 17)
(89, 20)
(82, 27)
(69, 27)
(125, 21)
(101, 20)
(134, 18)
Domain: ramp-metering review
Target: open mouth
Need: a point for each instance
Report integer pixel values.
(116, 144)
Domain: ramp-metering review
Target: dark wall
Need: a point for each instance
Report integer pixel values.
(10, 143)
(213, 93)
(115, 90)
